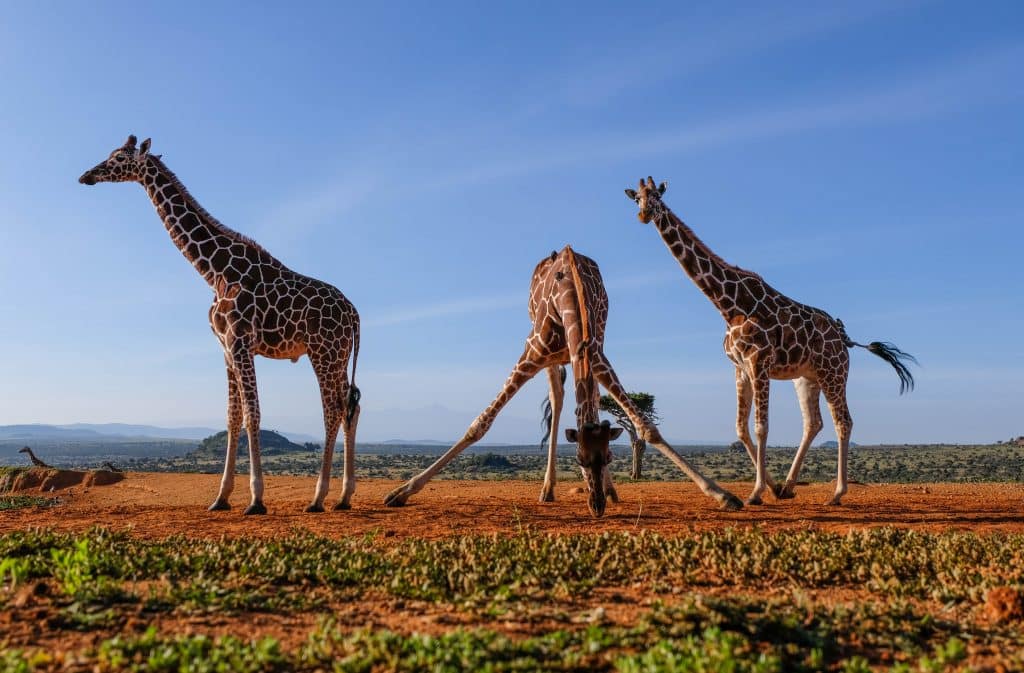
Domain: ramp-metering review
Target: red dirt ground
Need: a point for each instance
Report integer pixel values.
(157, 505)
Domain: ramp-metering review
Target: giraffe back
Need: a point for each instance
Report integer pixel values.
(563, 279)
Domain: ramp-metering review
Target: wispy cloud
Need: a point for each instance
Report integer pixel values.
(978, 79)
(671, 52)
(440, 309)
(468, 305)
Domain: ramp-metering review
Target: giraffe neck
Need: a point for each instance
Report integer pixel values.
(587, 398)
(220, 254)
(708, 271)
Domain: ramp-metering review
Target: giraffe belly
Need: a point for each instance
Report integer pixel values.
(282, 351)
(789, 372)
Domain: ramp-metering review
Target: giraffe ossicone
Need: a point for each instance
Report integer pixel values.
(260, 307)
(568, 309)
(770, 336)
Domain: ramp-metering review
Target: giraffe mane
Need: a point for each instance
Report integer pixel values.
(205, 214)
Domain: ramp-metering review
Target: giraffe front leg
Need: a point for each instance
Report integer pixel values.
(761, 384)
(744, 400)
(242, 359)
(650, 434)
(556, 379)
(524, 370)
(234, 420)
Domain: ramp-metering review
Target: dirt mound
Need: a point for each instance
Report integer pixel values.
(1005, 604)
(44, 479)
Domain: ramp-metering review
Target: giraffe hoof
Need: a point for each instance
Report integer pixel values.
(341, 506)
(396, 498)
(547, 495)
(731, 503)
(219, 506)
(613, 495)
(754, 501)
(833, 502)
(315, 508)
(786, 493)
(255, 508)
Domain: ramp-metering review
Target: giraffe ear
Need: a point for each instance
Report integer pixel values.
(131, 142)
(614, 433)
(144, 148)
(662, 187)
(570, 434)
(631, 193)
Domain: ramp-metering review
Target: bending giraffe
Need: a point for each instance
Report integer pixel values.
(569, 309)
(770, 336)
(36, 461)
(260, 307)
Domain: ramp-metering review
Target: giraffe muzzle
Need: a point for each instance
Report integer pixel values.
(87, 178)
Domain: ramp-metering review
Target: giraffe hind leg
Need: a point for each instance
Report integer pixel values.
(808, 394)
(333, 386)
(348, 476)
(556, 379)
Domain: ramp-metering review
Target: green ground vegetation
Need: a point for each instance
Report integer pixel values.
(731, 601)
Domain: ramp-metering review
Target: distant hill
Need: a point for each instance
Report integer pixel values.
(113, 432)
(271, 443)
(833, 444)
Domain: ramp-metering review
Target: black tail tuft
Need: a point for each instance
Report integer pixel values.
(546, 414)
(353, 403)
(896, 358)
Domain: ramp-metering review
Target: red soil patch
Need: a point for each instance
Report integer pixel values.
(157, 505)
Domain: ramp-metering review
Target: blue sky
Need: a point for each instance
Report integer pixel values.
(864, 158)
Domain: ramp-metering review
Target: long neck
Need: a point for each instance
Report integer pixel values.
(708, 271)
(220, 255)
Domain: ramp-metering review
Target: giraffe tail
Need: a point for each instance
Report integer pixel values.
(894, 356)
(548, 414)
(354, 395)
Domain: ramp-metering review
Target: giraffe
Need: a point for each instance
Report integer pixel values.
(36, 462)
(569, 308)
(260, 307)
(770, 336)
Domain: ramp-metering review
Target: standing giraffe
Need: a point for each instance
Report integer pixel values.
(770, 336)
(36, 461)
(260, 307)
(569, 309)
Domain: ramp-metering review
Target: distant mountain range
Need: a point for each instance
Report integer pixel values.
(95, 432)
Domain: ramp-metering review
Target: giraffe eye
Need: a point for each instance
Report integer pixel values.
(119, 156)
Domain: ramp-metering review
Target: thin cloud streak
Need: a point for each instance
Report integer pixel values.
(469, 305)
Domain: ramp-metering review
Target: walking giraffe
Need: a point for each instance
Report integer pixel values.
(36, 461)
(569, 309)
(260, 307)
(770, 336)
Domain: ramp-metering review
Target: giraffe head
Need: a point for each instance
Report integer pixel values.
(24, 449)
(648, 198)
(593, 455)
(125, 164)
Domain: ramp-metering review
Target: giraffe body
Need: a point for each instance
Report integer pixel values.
(770, 336)
(260, 307)
(568, 308)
